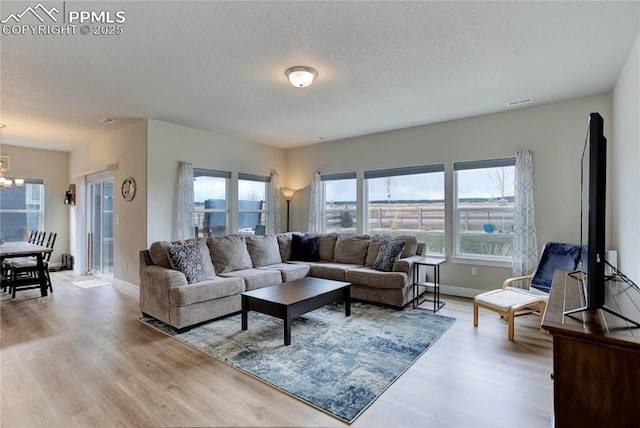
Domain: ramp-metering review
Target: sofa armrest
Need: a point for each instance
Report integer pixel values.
(160, 276)
(406, 265)
(155, 284)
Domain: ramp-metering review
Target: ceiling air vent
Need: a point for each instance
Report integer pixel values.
(519, 102)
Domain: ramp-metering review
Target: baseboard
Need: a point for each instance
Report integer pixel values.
(453, 290)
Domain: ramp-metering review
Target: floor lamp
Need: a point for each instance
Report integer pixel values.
(288, 194)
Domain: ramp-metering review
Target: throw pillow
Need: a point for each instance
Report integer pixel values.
(229, 253)
(305, 248)
(388, 254)
(263, 250)
(188, 260)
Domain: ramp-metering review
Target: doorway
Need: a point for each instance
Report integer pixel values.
(100, 225)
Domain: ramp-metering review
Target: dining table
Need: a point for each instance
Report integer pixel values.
(25, 249)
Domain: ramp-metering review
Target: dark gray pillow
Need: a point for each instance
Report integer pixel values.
(305, 248)
(188, 260)
(388, 254)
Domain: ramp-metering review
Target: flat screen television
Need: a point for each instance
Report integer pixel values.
(594, 160)
(593, 187)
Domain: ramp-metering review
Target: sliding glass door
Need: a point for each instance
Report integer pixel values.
(100, 226)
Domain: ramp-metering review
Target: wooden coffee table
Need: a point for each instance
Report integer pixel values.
(294, 298)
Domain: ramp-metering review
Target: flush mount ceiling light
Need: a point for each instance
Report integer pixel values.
(300, 76)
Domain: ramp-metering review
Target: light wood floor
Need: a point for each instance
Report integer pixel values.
(80, 358)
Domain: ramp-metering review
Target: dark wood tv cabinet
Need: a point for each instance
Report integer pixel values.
(596, 356)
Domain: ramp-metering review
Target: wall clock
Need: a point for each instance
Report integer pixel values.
(128, 188)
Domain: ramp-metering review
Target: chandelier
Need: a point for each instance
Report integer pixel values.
(6, 183)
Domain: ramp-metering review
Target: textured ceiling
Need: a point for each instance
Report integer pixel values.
(219, 66)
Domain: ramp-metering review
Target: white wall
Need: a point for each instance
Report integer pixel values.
(554, 133)
(52, 166)
(128, 149)
(168, 144)
(625, 153)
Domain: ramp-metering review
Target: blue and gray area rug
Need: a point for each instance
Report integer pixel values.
(338, 364)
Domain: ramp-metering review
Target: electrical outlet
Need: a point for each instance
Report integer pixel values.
(474, 271)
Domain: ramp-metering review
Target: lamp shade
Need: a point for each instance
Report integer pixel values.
(288, 193)
(300, 76)
(19, 182)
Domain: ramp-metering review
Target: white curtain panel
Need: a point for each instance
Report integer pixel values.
(525, 242)
(316, 205)
(184, 207)
(273, 208)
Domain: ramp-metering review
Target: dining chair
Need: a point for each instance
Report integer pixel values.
(40, 238)
(29, 267)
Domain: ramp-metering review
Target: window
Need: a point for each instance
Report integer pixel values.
(340, 202)
(408, 201)
(210, 190)
(252, 203)
(483, 208)
(22, 210)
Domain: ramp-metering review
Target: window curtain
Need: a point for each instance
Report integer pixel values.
(273, 205)
(525, 242)
(184, 207)
(316, 204)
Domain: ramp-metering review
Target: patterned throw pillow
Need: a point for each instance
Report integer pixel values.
(388, 254)
(188, 260)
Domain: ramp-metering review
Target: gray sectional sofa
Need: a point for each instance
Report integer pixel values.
(188, 282)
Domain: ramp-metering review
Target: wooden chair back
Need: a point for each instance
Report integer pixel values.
(50, 243)
(40, 238)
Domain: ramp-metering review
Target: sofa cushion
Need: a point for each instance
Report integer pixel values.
(351, 249)
(305, 248)
(411, 248)
(209, 269)
(188, 260)
(263, 250)
(204, 291)
(375, 243)
(326, 270)
(389, 252)
(376, 279)
(159, 255)
(284, 245)
(327, 246)
(229, 253)
(290, 271)
(256, 278)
